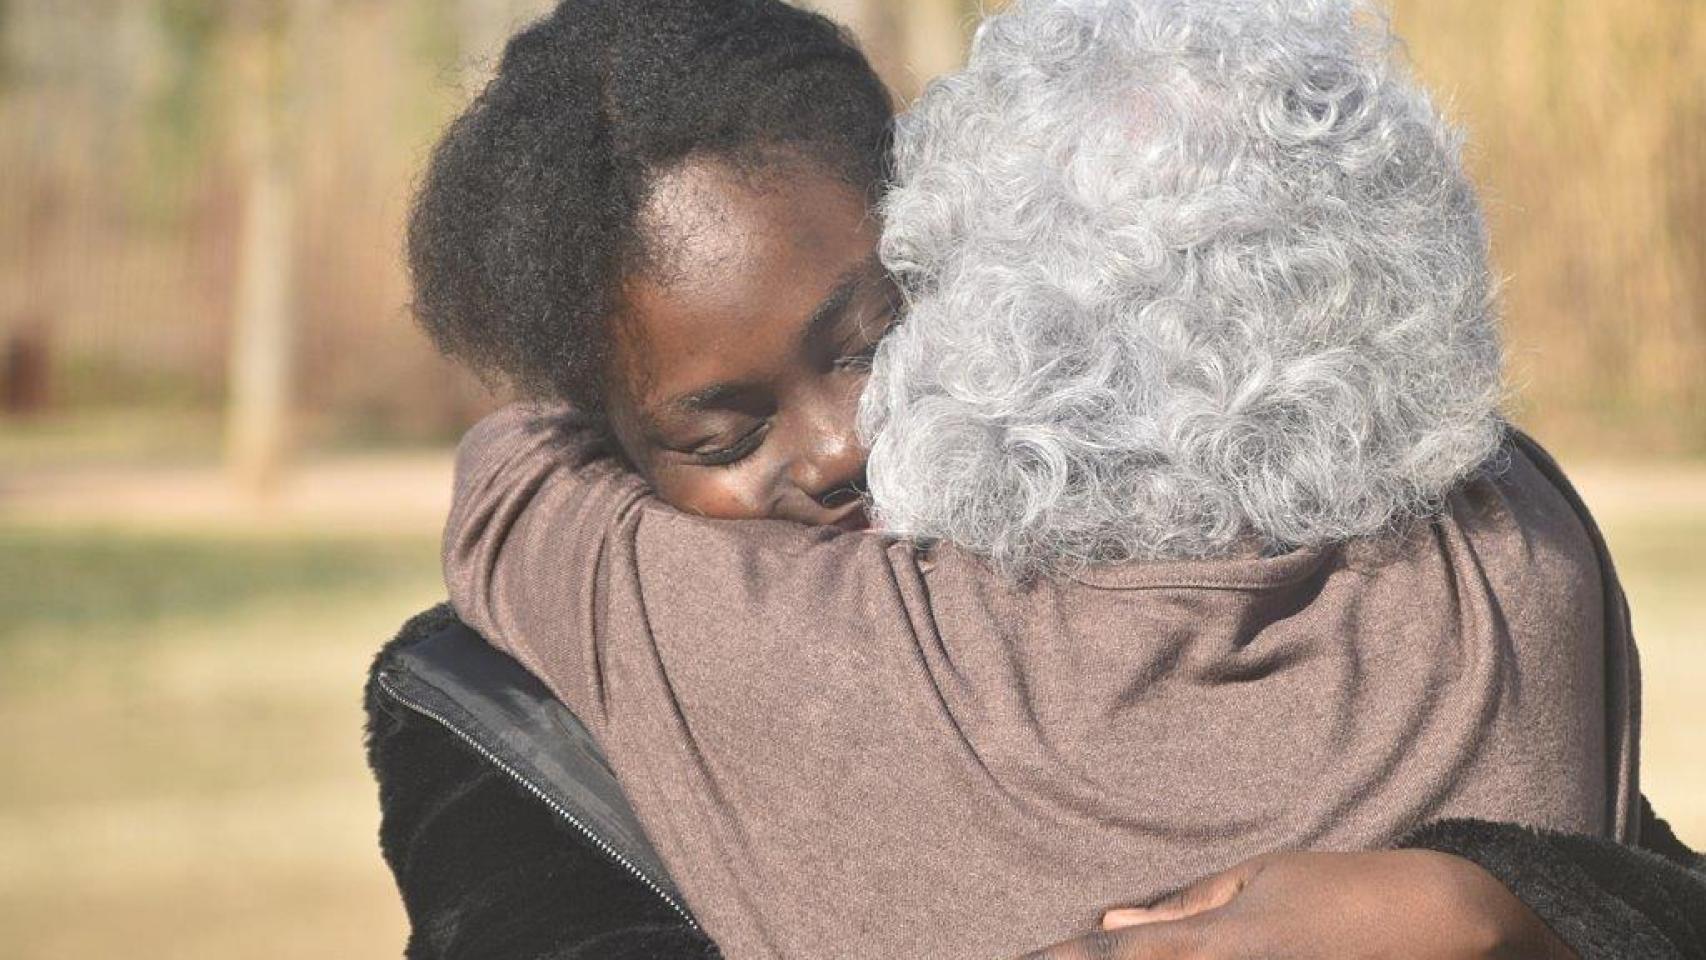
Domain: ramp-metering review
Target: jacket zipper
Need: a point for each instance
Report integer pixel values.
(557, 808)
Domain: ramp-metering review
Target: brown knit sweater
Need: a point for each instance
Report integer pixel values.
(846, 747)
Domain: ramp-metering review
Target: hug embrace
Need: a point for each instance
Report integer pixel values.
(1074, 512)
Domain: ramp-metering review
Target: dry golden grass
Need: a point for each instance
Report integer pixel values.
(1587, 127)
(1655, 521)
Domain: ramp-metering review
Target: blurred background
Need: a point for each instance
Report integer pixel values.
(224, 450)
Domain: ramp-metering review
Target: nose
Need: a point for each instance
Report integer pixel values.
(829, 466)
(832, 472)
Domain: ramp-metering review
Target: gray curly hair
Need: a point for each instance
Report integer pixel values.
(1183, 277)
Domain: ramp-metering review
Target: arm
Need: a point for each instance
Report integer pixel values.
(1461, 889)
(539, 500)
(543, 517)
(560, 557)
(1604, 899)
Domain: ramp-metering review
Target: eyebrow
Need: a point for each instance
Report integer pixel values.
(826, 312)
(845, 288)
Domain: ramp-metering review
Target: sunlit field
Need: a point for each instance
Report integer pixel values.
(1655, 520)
(183, 752)
(182, 715)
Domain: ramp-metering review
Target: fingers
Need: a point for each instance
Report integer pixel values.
(1134, 916)
(1208, 894)
(1180, 940)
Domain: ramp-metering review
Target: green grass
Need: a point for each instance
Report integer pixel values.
(183, 743)
(124, 436)
(103, 583)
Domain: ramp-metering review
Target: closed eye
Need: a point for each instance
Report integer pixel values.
(730, 454)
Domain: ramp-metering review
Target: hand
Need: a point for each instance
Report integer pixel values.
(1293, 906)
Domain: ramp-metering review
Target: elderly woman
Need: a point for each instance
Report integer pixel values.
(1202, 537)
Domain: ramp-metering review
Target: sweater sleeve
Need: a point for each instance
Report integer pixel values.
(538, 498)
(1608, 901)
(560, 557)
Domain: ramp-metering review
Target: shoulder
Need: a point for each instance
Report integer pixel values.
(752, 553)
(1525, 494)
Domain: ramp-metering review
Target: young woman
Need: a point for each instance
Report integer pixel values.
(661, 214)
(725, 301)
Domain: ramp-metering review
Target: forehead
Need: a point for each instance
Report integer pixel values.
(737, 264)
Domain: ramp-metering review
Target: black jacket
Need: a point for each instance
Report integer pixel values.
(511, 840)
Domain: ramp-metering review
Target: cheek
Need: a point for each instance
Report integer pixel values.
(723, 494)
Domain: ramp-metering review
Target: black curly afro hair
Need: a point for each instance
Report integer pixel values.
(524, 226)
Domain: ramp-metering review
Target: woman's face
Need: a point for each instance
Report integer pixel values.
(742, 348)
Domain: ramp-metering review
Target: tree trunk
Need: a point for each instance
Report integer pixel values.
(271, 38)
